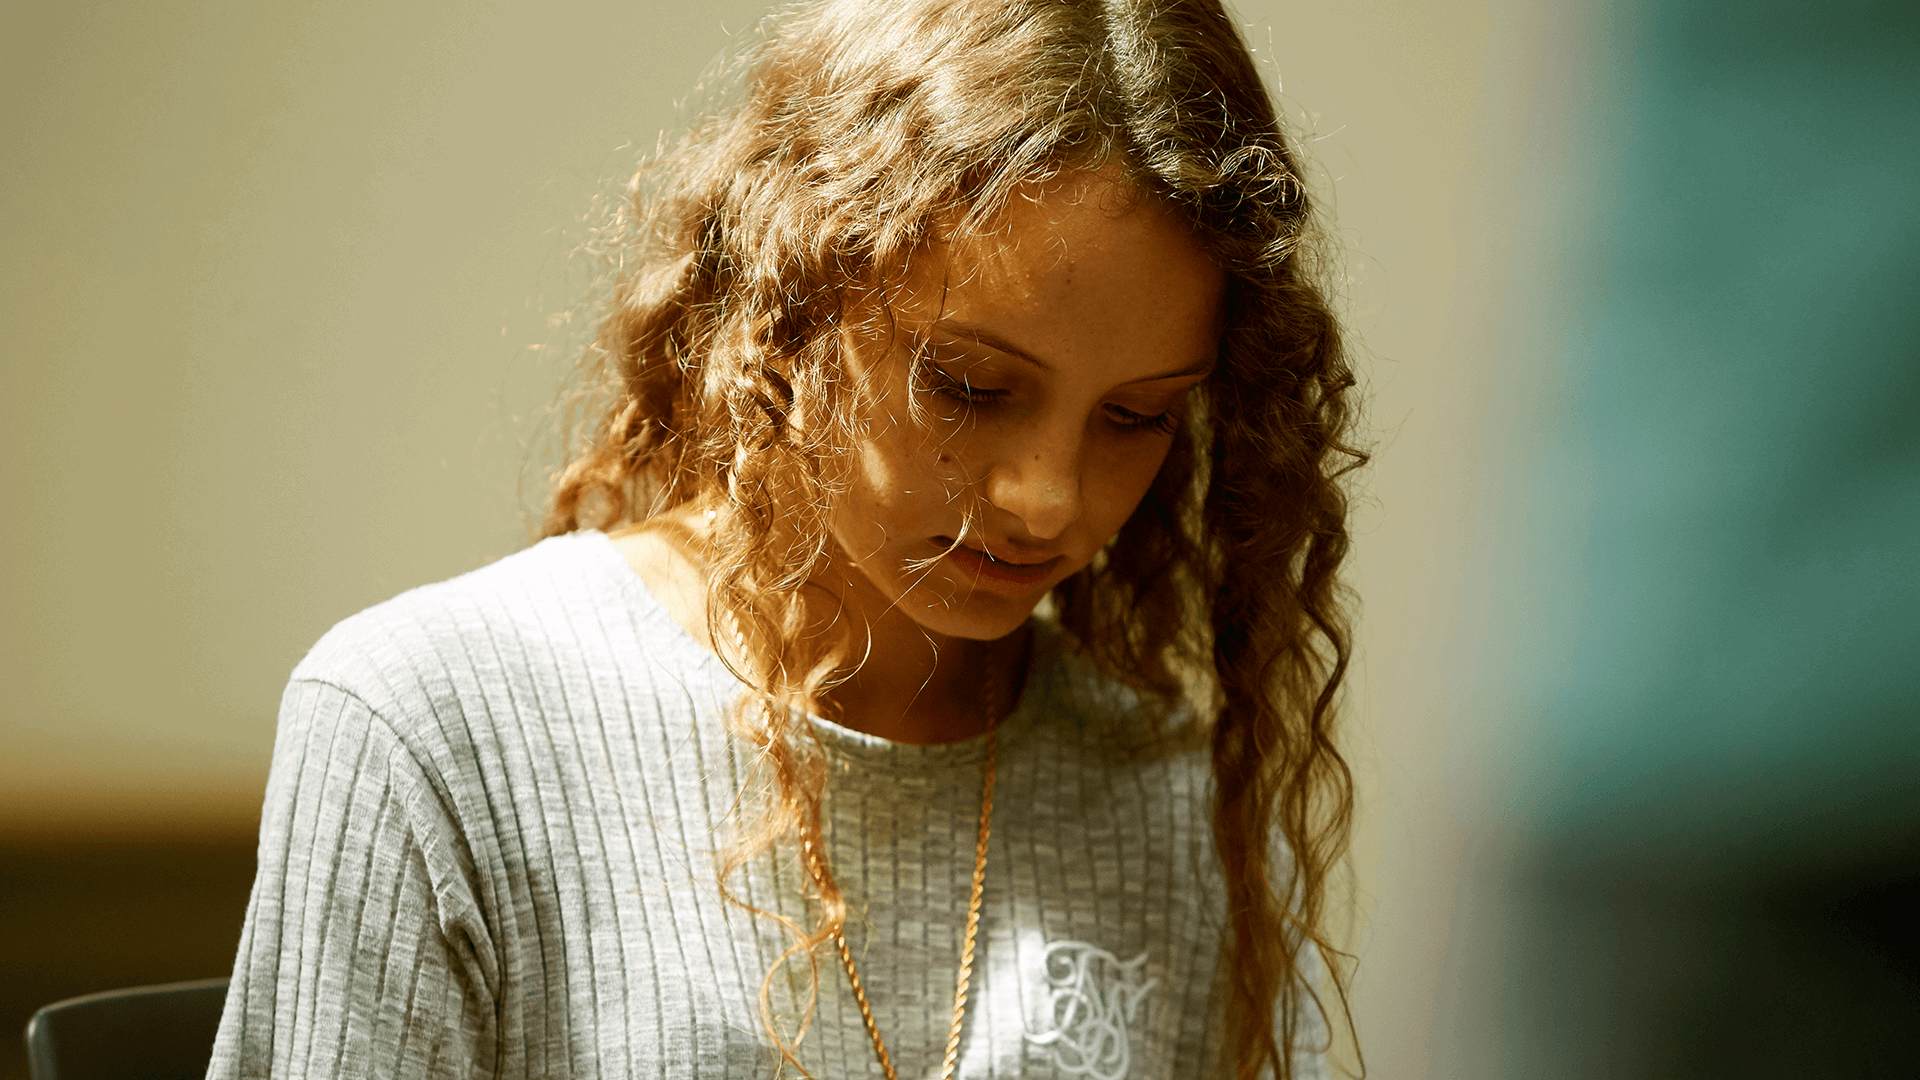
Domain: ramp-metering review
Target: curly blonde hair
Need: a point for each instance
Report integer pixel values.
(862, 130)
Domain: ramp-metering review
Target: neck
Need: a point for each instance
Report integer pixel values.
(919, 687)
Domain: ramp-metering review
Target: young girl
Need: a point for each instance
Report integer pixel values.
(929, 669)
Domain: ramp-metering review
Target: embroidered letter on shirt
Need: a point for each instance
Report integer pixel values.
(1092, 995)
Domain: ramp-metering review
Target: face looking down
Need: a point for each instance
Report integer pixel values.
(1020, 403)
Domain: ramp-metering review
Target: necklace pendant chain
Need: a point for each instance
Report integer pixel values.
(963, 983)
(965, 980)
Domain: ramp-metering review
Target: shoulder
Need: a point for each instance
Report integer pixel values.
(483, 630)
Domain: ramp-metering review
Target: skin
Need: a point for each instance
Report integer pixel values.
(1019, 403)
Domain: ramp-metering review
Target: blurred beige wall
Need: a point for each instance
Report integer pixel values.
(272, 274)
(272, 278)
(1441, 125)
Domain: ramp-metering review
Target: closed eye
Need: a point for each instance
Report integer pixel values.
(1165, 423)
(931, 379)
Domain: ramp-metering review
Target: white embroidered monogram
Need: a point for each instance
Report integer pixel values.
(1093, 997)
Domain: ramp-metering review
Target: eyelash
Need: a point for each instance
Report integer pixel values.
(1165, 423)
(932, 380)
(929, 378)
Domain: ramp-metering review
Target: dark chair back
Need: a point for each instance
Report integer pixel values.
(143, 1033)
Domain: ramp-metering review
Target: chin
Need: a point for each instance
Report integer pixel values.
(940, 599)
(976, 616)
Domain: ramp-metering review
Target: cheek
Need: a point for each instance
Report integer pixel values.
(1116, 482)
(895, 485)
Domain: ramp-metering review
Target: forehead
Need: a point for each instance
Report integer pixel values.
(1082, 271)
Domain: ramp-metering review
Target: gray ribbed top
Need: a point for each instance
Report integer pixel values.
(488, 849)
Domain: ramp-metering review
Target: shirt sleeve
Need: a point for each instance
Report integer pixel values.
(1310, 1028)
(363, 953)
(1316, 997)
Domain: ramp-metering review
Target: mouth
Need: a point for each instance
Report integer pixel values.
(981, 565)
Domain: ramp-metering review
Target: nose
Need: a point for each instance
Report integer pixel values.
(1037, 480)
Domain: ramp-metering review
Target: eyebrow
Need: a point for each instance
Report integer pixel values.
(994, 341)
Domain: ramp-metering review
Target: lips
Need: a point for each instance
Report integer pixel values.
(978, 564)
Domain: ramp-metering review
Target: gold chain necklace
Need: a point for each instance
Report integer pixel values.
(816, 864)
(952, 1059)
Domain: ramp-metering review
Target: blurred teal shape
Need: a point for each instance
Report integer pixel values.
(1722, 872)
(1746, 425)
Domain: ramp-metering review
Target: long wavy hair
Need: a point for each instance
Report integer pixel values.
(860, 130)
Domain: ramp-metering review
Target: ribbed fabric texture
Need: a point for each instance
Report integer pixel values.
(489, 850)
